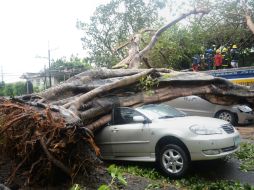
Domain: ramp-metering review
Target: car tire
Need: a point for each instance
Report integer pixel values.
(173, 160)
(227, 116)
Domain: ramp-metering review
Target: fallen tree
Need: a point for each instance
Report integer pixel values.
(52, 131)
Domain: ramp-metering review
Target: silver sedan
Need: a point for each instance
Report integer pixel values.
(194, 105)
(160, 133)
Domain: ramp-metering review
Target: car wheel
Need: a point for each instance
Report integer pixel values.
(173, 161)
(227, 116)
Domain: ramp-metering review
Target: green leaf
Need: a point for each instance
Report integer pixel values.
(104, 187)
(112, 169)
(76, 187)
(121, 179)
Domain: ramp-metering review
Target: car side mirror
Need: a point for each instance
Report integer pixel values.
(139, 119)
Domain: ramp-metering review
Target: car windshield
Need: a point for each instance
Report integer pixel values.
(160, 111)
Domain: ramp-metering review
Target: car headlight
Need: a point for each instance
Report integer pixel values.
(244, 108)
(202, 130)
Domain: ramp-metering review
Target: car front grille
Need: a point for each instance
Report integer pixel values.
(228, 129)
(229, 148)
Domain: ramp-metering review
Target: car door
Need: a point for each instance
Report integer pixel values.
(129, 138)
(104, 141)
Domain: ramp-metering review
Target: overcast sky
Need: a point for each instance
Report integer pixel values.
(28, 25)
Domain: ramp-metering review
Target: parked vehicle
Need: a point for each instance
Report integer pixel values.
(160, 133)
(194, 105)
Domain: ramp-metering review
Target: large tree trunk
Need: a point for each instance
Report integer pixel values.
(93, 93)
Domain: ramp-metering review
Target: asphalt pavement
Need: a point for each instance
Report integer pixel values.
(222, 170)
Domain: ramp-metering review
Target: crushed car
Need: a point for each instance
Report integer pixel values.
(160, 133)
(194, 105)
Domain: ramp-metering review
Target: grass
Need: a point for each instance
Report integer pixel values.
(246, 156)
(159, 181)
(192, 183)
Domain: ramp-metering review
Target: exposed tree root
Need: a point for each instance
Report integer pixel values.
(39, 140)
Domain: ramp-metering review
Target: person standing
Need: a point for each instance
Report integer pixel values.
(234, 53)
(196, 62)
(225, 58)
(218, 60)
(209, 58)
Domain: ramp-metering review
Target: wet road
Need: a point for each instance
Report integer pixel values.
(221, 170)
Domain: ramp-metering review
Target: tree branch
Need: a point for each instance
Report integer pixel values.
(249, 23)
(164, 28)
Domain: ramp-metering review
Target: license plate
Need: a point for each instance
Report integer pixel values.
(237, 140)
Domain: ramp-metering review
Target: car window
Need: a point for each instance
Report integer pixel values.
(125, 115)
(160, 111)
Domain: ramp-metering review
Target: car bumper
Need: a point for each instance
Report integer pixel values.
(245, 118)
(209, 147)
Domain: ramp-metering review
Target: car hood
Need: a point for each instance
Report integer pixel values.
(193, 120)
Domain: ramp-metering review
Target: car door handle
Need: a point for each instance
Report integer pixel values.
(115, 130)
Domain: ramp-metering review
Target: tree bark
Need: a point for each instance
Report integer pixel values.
(249, 22)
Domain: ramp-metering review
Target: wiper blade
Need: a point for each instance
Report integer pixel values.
(166, 116)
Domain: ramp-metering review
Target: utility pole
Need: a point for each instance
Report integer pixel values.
(45, 78)
(48, 74)
(27, 87)
(50, 84)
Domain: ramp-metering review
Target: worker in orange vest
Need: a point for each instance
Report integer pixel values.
(218, 60)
